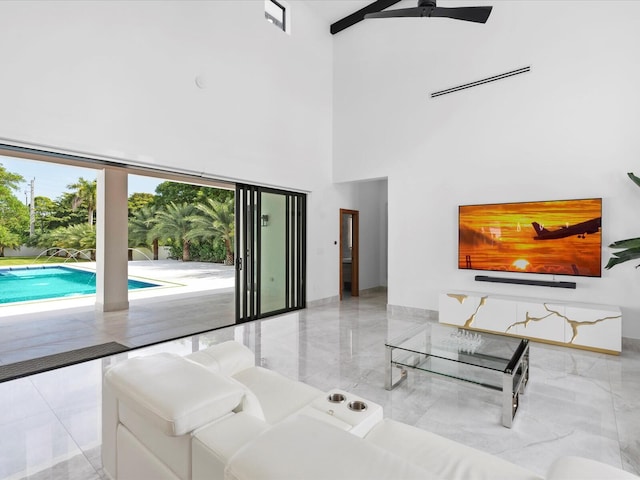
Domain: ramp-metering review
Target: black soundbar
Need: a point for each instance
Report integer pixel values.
(520, 281)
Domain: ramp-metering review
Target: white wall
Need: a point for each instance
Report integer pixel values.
(323, 232)
(23, 251)
(568, 129)
(371, 202)
(119, 79)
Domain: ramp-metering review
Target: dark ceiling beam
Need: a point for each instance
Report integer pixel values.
(358, 16)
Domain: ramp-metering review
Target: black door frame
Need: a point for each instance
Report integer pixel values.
(248, 242)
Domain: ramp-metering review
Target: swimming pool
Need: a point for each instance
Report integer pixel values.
(21, 284)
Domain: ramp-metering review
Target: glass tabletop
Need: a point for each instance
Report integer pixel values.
(477, 349)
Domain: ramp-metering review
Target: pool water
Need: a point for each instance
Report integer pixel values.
(21, 284)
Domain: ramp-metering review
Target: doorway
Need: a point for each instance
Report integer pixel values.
(270, 238)
(349, 253)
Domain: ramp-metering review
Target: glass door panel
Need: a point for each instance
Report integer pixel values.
(273, 261)
(270, 246)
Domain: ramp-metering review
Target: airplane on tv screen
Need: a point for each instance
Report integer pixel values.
(579, 229)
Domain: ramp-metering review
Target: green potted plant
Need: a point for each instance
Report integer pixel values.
(631, 247)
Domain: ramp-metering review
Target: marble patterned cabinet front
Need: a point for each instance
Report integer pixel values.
(581, 325)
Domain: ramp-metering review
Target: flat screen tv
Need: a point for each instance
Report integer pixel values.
(560, 237)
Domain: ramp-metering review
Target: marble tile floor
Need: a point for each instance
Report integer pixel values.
(577, 402)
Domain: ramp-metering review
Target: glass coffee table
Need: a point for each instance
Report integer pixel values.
(493, 361)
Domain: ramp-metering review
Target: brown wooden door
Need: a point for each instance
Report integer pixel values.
(349, 252)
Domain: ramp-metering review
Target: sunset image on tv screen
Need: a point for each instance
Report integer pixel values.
(560, 237)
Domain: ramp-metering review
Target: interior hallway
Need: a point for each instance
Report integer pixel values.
(577, 402)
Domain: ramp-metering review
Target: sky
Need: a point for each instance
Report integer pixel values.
(51, 179)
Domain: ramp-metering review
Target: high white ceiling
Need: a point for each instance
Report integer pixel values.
(334, 10)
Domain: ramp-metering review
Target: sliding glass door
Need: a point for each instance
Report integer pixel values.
(270, 251)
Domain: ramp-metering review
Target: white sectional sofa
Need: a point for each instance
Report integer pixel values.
(215, 415)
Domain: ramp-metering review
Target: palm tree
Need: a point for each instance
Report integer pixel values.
(174, 223)
(85, 194)
(216, 220)
(141, 231)
(82, 237)
(73, 237)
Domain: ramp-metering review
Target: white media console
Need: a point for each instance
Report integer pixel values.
(580, 325)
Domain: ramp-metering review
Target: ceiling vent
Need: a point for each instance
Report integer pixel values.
(481, 82)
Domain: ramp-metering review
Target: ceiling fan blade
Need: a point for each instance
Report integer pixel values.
(399, 12)
(469, 14)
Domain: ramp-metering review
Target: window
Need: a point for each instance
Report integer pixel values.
(275, 12)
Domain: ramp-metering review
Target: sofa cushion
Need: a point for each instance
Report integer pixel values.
(577, 468)
(173, 393)
(279, 396)
(227, 358)
(443, 457)
(214, 444)
(305, 448)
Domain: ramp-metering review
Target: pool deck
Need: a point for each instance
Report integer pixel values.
(175, 277)
(198, 297)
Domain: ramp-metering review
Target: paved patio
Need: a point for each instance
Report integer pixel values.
(176, 277)
(194, 297)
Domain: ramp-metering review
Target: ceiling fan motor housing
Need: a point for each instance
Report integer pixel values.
(426, 7)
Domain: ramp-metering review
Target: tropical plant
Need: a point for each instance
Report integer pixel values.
(82, 236)
(44, 209)
(85, 194)
(631, 246)
(73, 237)
(14, 215)
(215, 221)
(8, 240)
(138, 200)
(167, 192)
(173, 224)
(141, 231)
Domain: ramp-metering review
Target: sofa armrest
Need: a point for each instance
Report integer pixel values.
(174, 394)
(577, 468)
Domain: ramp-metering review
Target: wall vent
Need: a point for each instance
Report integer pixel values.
(481, 82)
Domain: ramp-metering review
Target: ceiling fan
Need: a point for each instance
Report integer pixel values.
(428, 8)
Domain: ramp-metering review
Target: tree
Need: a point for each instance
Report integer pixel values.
(139, 200)
(216, 220)
(9, 181)
(45, 210)
(178, 193)
(85, 194)
(74, 237)
(174, 223)
(142, 231)
(8, 240)
(14, 215)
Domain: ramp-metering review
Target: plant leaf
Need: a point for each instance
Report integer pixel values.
(621, 257)
(628, 254)
(635, 179)
(629, 243)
